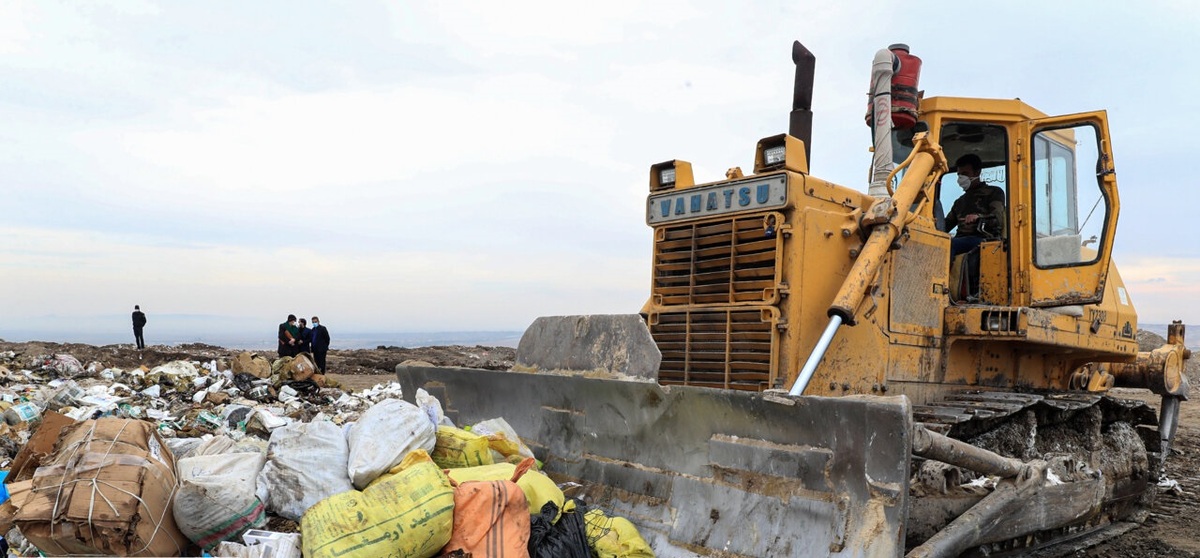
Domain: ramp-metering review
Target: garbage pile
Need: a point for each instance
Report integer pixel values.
(190, 458)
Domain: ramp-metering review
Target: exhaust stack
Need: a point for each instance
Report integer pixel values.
(800, 120)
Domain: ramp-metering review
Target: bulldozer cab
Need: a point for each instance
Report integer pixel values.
(1060, 196)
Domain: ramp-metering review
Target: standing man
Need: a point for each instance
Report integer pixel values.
(139, 322)
(287, 337)
(304, 338)
(320, 343)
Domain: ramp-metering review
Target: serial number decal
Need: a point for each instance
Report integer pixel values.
(719, 199)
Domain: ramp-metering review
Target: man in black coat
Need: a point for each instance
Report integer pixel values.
(139, 322)
(288, 344)
(320, 343)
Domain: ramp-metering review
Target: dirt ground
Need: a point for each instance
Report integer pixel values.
(376, 362)
(1170, 530)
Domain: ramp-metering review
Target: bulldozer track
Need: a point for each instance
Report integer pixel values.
(968, 415)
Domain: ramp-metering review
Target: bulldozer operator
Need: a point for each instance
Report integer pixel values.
(978, 213)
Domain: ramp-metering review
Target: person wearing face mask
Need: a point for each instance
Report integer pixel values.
(978, 214)
(320, 343)
(288, 337)
(303, 337)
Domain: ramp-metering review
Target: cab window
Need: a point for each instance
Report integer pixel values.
(989, 141)
(1069, 207)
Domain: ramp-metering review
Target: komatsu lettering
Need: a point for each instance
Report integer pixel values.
(698, 202)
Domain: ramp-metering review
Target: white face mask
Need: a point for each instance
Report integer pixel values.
(964, 181)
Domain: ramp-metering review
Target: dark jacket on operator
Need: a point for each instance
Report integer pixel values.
(983, 200)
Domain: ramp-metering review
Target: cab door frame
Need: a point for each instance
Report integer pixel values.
(1071, 283)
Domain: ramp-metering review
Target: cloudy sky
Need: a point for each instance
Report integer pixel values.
(437, 166)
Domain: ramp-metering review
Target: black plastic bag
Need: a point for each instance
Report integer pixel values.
(244, 381)
(565, 539)
(303, 387)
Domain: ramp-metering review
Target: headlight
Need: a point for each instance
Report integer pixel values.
(774, 154)
(780, 152)
(666, 176)
(671, 174)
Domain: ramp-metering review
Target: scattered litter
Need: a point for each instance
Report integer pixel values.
(433, 408)
(262, 544)
(503, 439)
(1171, 486)
(252, 364)
(380, 392)
(614, 536)
(228, 456)
(983, 482)
(288, 394)
(23, 414)
(63, 366)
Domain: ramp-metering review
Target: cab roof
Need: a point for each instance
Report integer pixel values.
(992, 109)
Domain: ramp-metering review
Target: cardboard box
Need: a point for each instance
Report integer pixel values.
(39, 446)
(106, 489)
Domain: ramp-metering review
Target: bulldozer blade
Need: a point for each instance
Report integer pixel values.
(705, 472)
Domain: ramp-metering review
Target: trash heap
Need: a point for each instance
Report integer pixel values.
(190, 458)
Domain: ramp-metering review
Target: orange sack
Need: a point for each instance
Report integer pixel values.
(491, 518)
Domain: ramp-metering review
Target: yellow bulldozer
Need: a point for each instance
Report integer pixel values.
(814, 373)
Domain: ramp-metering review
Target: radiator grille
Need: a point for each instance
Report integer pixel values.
(729, 349)
(733, 261)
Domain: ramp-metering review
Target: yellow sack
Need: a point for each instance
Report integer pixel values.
(505, 450)
(407, 512)
(503, 446)
(538, 488)
(614, 537)
(458, 448)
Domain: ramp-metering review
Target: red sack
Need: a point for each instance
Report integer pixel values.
(491, 518)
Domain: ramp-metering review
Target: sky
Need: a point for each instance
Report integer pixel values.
(453, 166)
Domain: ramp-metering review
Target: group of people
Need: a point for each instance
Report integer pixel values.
(296, 337)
